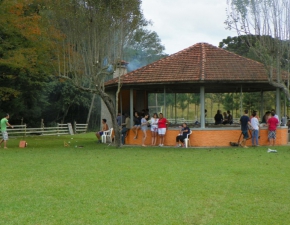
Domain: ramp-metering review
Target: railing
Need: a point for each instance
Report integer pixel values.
(60, 129)
(207, 120)
(80, 128)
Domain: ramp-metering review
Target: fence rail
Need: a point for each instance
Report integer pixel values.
(60, 129)
(80, 128)
(207, 120)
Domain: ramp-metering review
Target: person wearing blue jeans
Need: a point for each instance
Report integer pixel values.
(125, 128)
(255, 129)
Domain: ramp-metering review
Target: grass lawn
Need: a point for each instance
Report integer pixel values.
(47, 183)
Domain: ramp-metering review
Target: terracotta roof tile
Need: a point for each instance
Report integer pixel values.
(200, 62)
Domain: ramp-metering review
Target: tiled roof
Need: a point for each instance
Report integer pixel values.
(200, 62)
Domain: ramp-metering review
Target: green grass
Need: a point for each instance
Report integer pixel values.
(47, 183)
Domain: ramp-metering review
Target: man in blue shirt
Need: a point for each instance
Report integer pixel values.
(245, 121)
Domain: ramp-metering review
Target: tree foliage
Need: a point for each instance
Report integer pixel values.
(267, 21)
(144, 48)
(93, 33)
(24, 59)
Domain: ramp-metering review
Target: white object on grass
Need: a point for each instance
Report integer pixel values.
(272, 150)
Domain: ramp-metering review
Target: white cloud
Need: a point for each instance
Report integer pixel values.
(183, 23)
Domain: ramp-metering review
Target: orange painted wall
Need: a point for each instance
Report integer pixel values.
(210, 137)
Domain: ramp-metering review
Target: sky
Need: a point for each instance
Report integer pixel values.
(183, 23)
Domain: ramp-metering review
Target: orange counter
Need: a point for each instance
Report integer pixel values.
(210, 137)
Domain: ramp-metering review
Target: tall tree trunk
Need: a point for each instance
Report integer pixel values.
(91, 108)
(112, 110)
(65, 114)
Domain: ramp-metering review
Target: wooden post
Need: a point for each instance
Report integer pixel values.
(42, 125)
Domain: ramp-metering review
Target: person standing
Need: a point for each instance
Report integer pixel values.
(275, 115)
(4, 123)
(244, 121)
(162, 126)
(154, 129)
(255, 131)
(144, 127)
(125, 127)
(273, 122)
(119, 119)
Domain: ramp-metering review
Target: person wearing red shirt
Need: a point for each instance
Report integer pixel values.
(273, 122)
(162, 126)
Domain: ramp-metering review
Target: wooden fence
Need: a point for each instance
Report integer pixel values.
(60, 129)
(80, 128)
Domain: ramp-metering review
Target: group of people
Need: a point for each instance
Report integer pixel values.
(157, 125)
(225, 118)
(270, 119)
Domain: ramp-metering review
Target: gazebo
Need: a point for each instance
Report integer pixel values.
(197, 69)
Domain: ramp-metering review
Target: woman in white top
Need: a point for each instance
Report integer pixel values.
(255, 131)
(154, 129)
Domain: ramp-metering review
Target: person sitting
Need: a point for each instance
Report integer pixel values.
(105, 127)
(266, 116)
(218, 118)
(137, 124)
(225, 118)
(184, 131)
(230, 117)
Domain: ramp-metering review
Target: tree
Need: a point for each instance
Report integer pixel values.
(94, 34)
(24, 58)
(267, 22)
(228, 101)
(144, 48)
(182, 102)
(62, 98)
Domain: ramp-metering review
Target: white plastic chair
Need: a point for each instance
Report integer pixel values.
(107, 135)
(187, 140)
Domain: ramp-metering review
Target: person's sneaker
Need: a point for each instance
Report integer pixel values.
(245, 146)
